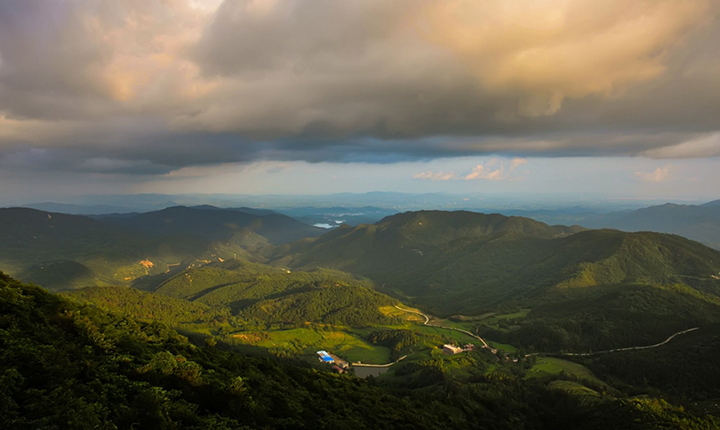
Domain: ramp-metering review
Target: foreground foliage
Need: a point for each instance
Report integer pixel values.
(65, 365)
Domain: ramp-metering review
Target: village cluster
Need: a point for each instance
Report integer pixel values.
(341, 366)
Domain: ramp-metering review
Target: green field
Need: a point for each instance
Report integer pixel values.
(447, 334)
(554, 366)
(306, 341)
(502, 346)
(348, 343)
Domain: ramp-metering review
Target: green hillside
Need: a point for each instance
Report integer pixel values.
(604, 317)
(349, 305)
(69, 251)
(64, 365)
(466, 263)
(275, 296)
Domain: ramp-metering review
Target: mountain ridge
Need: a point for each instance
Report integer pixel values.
(436, 258)
(118, 250)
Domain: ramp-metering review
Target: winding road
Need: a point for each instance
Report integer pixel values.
(379, 365)
(573, 354)
(630, 348)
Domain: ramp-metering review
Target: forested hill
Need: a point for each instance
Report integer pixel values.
(61, 251)
(461, 262)
(269, 295)
(67, 366)
(442, 227)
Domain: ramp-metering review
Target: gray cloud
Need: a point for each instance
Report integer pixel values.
(49, 59)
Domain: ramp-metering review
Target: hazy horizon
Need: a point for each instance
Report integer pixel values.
(387, 201)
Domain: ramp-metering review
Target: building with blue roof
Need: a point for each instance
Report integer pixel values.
(325, 357)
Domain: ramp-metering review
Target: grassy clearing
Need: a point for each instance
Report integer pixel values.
(465, 325)
(554, 366)
(306, 341)
(503, 347)
(407, 317)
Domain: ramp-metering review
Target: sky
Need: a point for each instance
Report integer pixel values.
(608, 97)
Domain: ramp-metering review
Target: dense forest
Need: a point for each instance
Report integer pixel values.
(147, 306)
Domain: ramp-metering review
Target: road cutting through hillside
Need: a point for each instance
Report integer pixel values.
(630, 348)
(427, 323)
(359, 364)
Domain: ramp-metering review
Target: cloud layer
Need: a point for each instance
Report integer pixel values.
(152, 86)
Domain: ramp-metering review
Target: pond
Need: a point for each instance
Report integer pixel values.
(364, 372)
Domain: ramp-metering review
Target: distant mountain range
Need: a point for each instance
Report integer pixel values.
(696, 222)
(386, 201)
(73, 209)
(701, 223)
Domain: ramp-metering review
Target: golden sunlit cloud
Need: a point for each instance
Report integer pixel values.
(554, 49)
(435, 176)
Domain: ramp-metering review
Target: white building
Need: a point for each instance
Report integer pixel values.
(451, 349)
